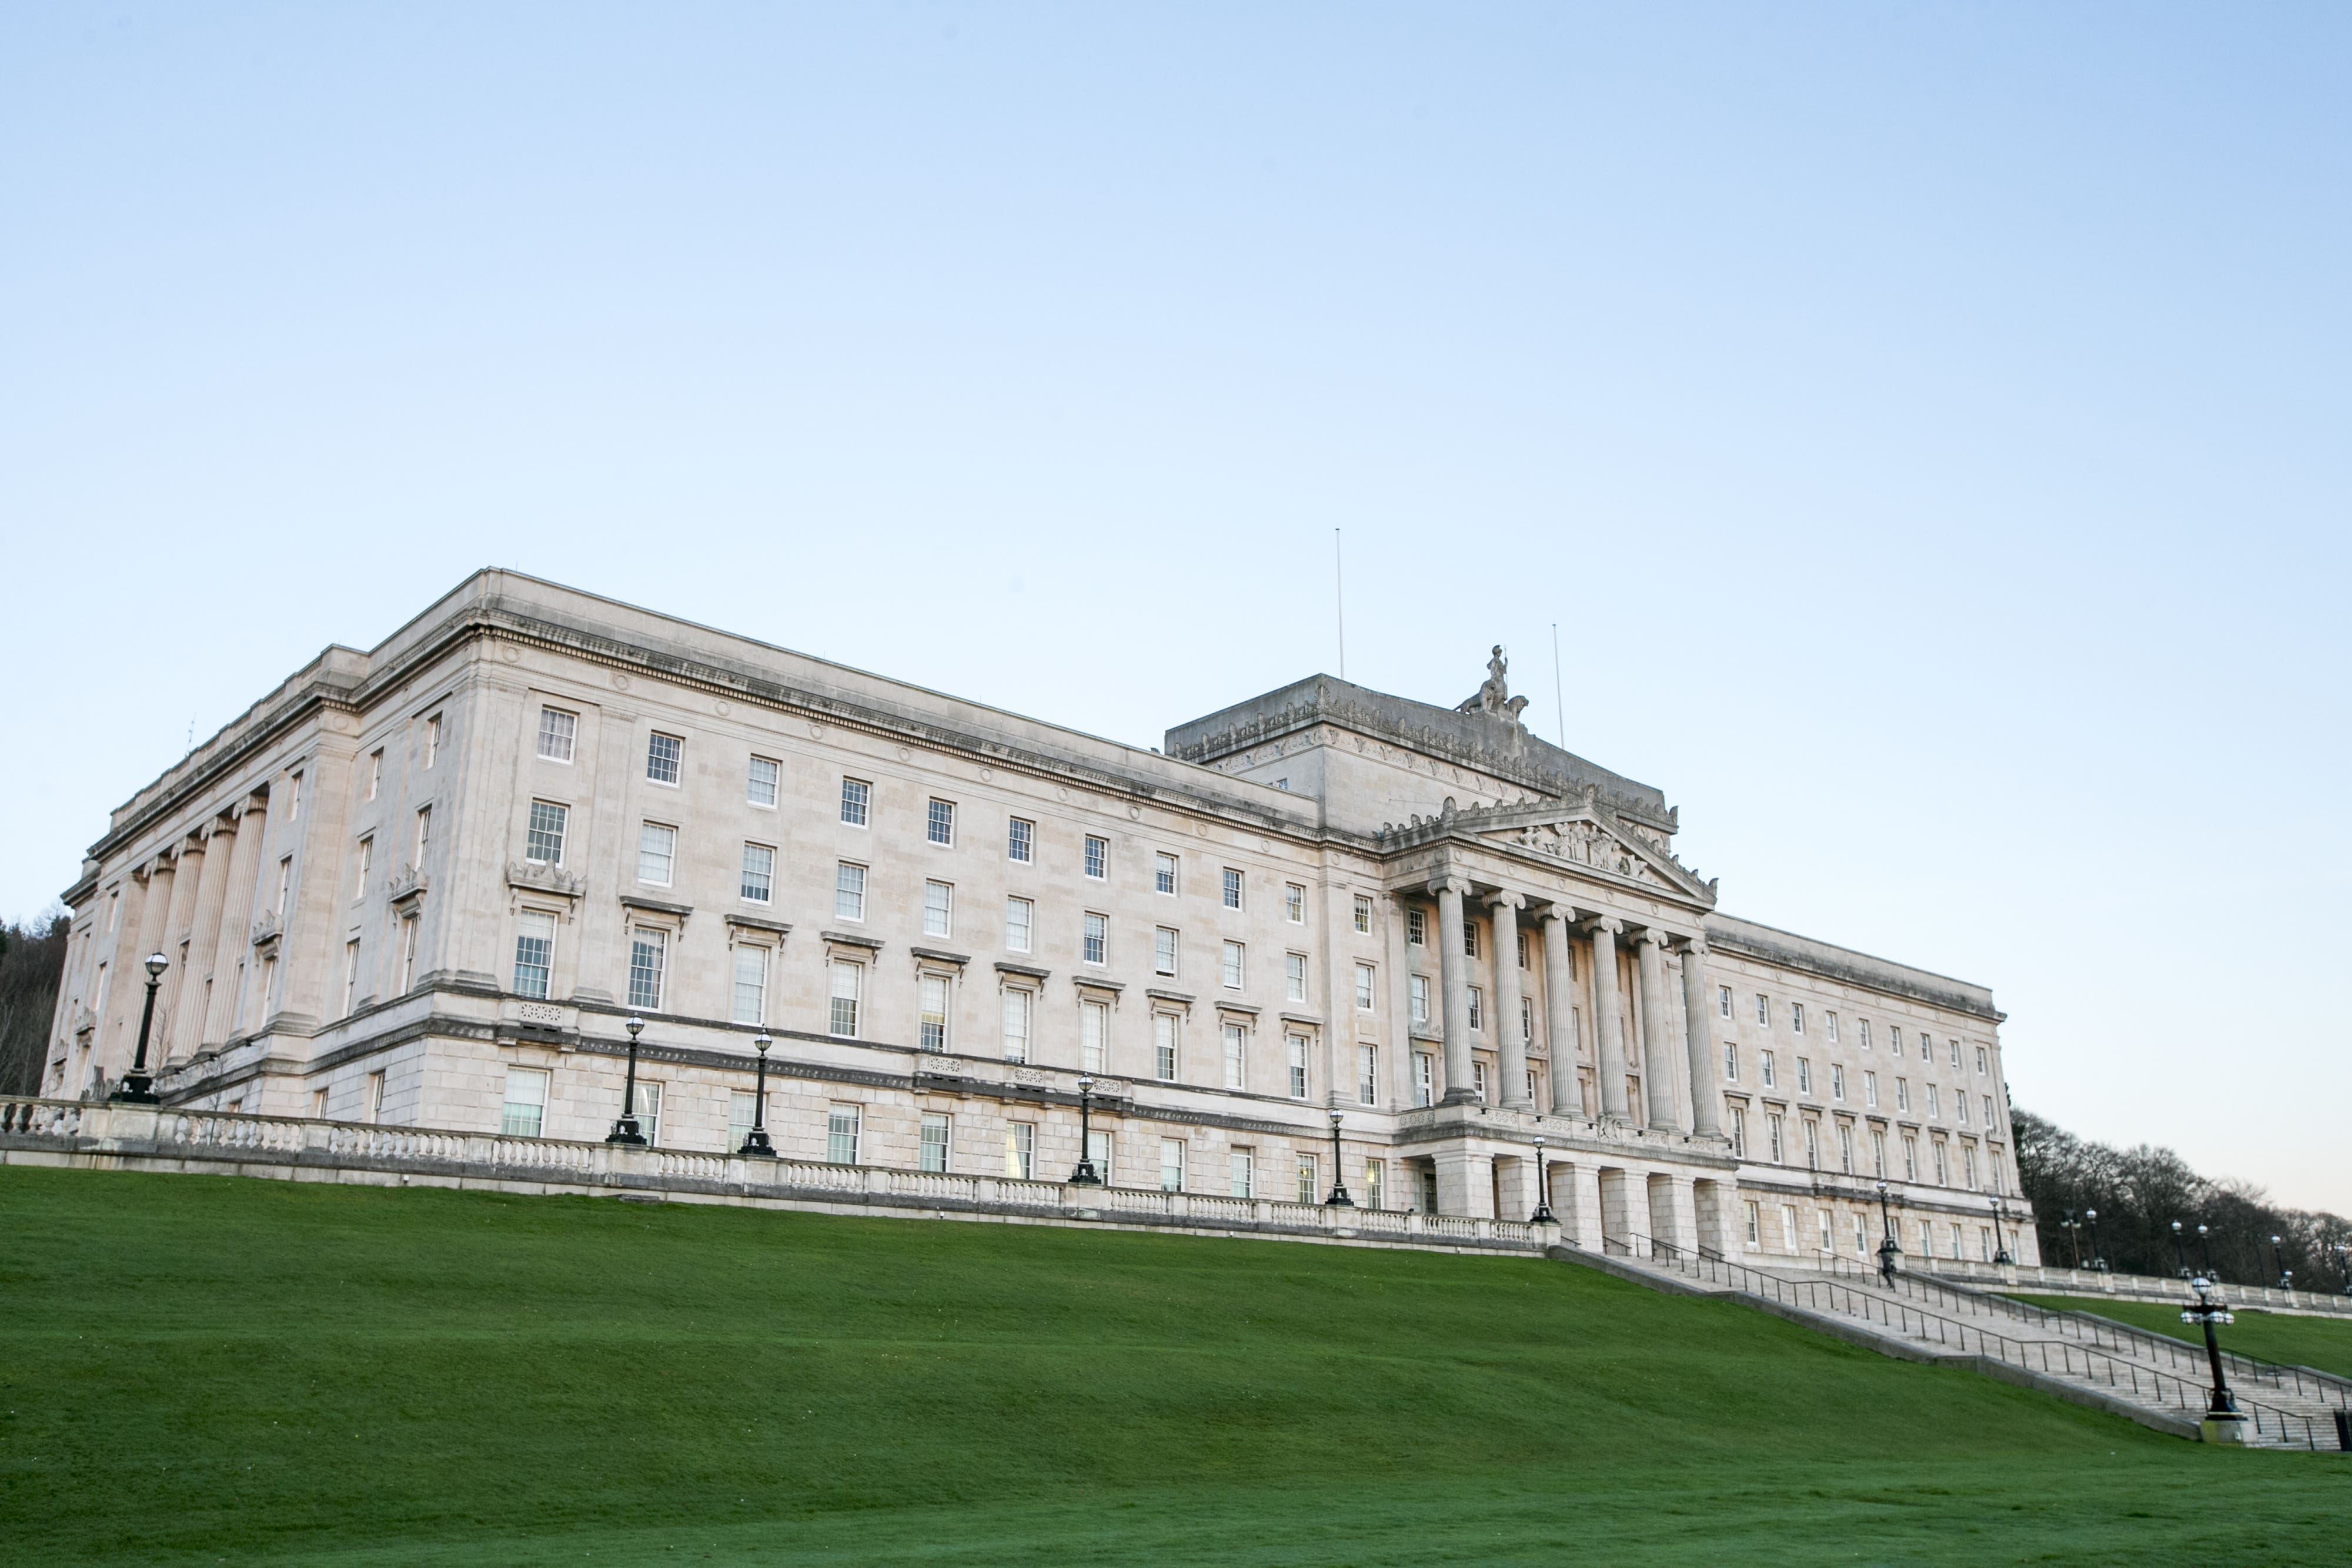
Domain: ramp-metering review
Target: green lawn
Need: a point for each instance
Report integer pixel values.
(2323, 1343)
(215, 1370)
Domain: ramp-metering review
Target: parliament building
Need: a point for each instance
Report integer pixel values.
(430, 885)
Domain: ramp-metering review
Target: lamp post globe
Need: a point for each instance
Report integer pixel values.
(2205, 1255)
(1338, 1198)
(1890, 1250)
(1085, 1175)
(756, 1144)
(2091, 1217)
(625, 1130)
(2278, 1265)
(1543, 1214)
(138, 1086)
(2179, 1256)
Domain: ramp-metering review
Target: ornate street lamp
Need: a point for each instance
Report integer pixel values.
(625, 1131)
(2073, 1229)
(1543, 1214)
(137, 1087)
(1890, 1250)
(1338, 1198)
(2278, 1266)
(2091, 1217)
(755, 1142)
(2001, 1253)
(1085, 1175)
(2343, 1263)
(2205, 1254)
(2209, 1311)
(2179, 1258)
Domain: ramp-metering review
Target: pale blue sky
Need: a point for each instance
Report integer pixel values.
(1926, 423)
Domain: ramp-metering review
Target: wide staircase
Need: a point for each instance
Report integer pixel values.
(2155, 1379)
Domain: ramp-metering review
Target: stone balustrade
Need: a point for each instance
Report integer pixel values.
(144, 1137)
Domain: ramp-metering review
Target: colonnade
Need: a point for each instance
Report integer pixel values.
(197, 910)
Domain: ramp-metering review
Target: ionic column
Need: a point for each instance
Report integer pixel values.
(1559, 1013)
(187, 883)
(129, 983)
(1657, 1062)
(231, 945)
(1608, 1029)
(1512, 1047)
(1455, 1006)
(1705, 1065)
(203, 939)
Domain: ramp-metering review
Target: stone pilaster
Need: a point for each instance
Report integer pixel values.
(231, 943)
(1454, 979)
(1706, 1065)
(1511, 1044)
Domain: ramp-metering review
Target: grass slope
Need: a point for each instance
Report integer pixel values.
(223, 1370)
(2322, 1343)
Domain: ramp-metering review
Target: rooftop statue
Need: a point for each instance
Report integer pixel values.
(1493, 697)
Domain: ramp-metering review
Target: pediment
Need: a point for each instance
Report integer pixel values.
(1582, 836)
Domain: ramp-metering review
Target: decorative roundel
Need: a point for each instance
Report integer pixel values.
(986, 773)
(620, 682)
(1061, 794)
(904, 754)
(510, 652)
(1202, 829)
(816, 729)
(1135, 813)
(722, 709)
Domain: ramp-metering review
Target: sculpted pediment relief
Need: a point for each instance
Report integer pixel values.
(1580, 835)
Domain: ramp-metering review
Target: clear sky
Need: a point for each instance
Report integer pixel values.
(1925, 424)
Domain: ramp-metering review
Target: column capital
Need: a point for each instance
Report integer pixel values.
(1608, 923)
(1449, 881)
(1650, 936)
(1557, 912)
(1694, 947)
(1506, 899)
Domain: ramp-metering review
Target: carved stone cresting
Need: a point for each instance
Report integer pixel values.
(1493, 698)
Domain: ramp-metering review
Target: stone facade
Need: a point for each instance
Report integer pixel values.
(427, 885)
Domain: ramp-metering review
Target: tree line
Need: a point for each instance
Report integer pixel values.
(32, 966)
(2139, 1192)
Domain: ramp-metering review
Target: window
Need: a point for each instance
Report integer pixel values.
(1021, 840)
(849, 891)
(1739, 1133)
(1294, 975)
(1984, 1241)
(1797, 1017)
(1233, 889)
(1960, 1107)
(1363, 915)
(1968, 1165)
(1098, 1150)
(1828, 1242)
(750, 998)
(1837, 1082)
(936, 1141)
(1019, 1005)
(1893, 1041)
(1910, 1159)
(661, 757)
(938, 909)
(1098, 862)
(432, 740)
(758, 885)
(1829, 1022)
(1523, 949)
(1298, 1067)
(1903, 1094)
(1163, 873)
(544, 843)
(1755, 1237)
(1368, 1075)
(423, 836)
(1764, 1010)
(1294, 905)
(1021, 1150)
(1418, 988)
(1988, 1113)
(557, 731)
(375, 1098)
(1765, 1068)
(1094, 943)
(759, 787)
(1870, 1090)
(1478, 1079)
(1723, 1001)
(1804, 1075)
(848, 983)
(1730, 1063)
(647, 949)
(366, 860)
(648, 1111)
(1877, 1152)
(1812, 1145)
(856, 802)
(1235, 967)
(1788, 1227)
(1171, 1165)
(1163, 1047)
(1935, 1102)
(1234, 1041)
(1416, 927)
(408, 925)
(534, 958)
(1955, 1053)
(1425, 1078)
(1163, 951)
(375, 773)
(1862, 1028)
(1477, 1009)
(931, 1028)
(1094, 1036)
(841, 1134)
(1772, 1138)
(1375, 1180)
(524, 1114)
(1981, 1062)
(1943, 1171)
(1309, 1189)
(350, 973)
(656, 853)
(1470, 939)
(1017, 916)
(1241, 1172)
(939, 823)
(1367, 988)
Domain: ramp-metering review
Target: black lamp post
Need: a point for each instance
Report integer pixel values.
(1085, 1175)
(1338, 1198)
(755, 1142)
(625, 1131)
(2091, 1217)
(2073, 1229)
(2001, 1253)
(2209, 1311)
(137, 1087)
(1543, 1214)
(2205, 1254)
(2344, 1264)
(2179, 1258)
(1890, 1250)
(2278, 1266)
